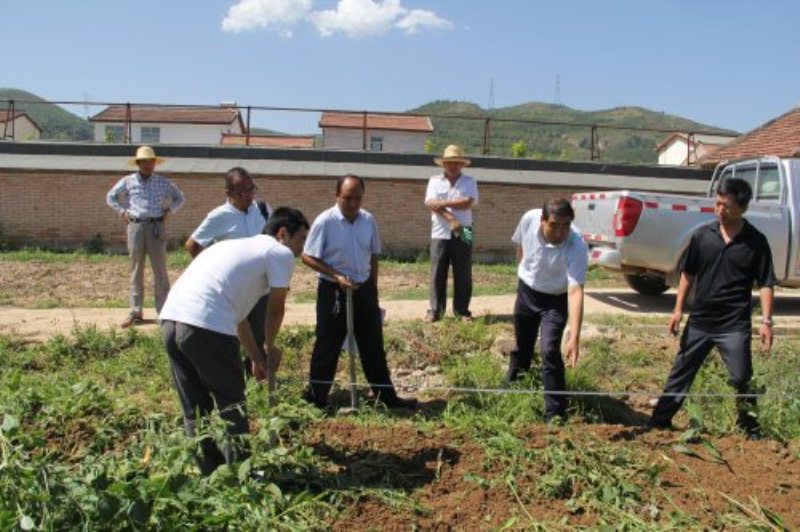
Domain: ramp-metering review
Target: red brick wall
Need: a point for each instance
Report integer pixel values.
(67, 209)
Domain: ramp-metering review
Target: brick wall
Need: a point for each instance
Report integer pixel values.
(68, 209)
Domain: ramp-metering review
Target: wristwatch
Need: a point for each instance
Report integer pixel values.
(767, 321)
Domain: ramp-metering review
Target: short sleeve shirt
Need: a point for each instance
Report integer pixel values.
(343, 245)
(227, 222)
(548, 268)
(724, 275)
(439, 188)
(223, 283)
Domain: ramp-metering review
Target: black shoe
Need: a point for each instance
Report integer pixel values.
(399, 402)
(660, 424)
(749, 425)
(309, 398)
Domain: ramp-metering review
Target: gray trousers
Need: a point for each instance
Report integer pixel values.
(207, 369)
(444, 253)
(694, 348)
(148, 239)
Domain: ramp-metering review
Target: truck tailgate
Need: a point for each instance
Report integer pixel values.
(594, 215)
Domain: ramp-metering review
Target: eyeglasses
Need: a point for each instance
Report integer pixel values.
(244, 193)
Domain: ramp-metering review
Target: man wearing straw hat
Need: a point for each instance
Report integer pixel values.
(144, 200)
(450, 197)
(342, 247)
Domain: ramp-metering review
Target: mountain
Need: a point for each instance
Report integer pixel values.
(56, 123)
(561, 141)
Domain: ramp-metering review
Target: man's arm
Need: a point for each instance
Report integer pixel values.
(767, 295)
(575, 298)
(319, 266)
(276, 308)
(192, 247)
(459, 204)
(519, 254)
(685, 284)
(256, 354)
(177, 197)
(113, 201)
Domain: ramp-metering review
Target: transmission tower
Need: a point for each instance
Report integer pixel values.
(557, 95)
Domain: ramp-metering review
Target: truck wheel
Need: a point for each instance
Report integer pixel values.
(646, 285)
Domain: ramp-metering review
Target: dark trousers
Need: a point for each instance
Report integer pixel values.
(534, 311)
(444, 253)
(207, 369)
(694, 348)
(331, 332)
(256, 321)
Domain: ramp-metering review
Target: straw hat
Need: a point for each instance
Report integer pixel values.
(453, 153)
(144, 153)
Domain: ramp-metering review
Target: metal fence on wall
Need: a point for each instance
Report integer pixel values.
(482, 133)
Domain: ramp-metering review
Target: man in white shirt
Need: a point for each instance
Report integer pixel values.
(241, 216)
(553, 259)
(205, 318)
(450, 197)
(343, 246)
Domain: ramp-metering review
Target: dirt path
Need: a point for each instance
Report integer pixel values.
(40, 324)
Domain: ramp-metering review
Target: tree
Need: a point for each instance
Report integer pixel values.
(519, 149)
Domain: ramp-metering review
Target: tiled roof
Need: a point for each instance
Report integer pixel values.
(780, 137)
(269, 141)
(393, 122)
(171, 115)
(5, 116)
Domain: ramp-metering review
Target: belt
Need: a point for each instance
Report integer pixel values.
(145, 220)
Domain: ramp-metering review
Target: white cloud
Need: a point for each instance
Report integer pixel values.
(352, 18)
(277, 15)
(421, 18)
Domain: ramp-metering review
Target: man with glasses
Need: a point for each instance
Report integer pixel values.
(241, 216)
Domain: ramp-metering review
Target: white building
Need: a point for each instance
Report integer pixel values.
(18, 127)
(375, 132)
(166, 125)
(679, 150)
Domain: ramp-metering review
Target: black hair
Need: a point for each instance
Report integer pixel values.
(342, 179)
(738, 188)
(292, 219)
(558, 207)
(229, 176)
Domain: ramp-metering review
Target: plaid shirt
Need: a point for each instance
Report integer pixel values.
(144, 198)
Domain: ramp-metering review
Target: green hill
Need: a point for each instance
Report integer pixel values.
(56, 123)
(564, 142)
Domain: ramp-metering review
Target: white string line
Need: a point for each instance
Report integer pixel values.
(532, 391)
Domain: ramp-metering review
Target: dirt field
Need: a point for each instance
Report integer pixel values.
(439, 463)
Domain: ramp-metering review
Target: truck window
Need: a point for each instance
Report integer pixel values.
(769, 183)
(748, 173)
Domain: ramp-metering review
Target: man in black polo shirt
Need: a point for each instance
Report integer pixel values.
(723, 260)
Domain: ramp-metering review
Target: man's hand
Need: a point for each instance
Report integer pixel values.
(125, 217)
(274, 357)
(166, 214)
(345, 282)
(260, 370)
(675, 323)
(765, 333)
(573, 351)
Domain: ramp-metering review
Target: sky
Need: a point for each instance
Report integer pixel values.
(726, 63)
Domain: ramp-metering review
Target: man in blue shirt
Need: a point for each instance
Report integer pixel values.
(239, 217)
(144, 200)
(342, 246)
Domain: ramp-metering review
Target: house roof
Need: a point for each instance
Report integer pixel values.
(780, 137)
(269, 141)
(5, 116)
(170, 115)
(396, 122)
(700, 138)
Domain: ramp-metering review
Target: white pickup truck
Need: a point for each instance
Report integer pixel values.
(643, 234)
